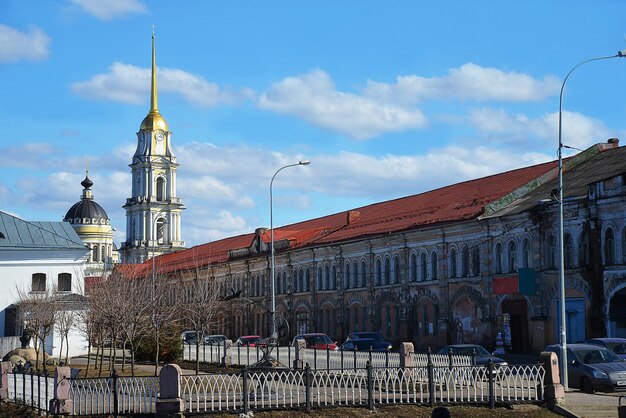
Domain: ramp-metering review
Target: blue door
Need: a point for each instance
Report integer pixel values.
(575, 322)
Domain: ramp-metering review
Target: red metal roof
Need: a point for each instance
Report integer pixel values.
(457, 202)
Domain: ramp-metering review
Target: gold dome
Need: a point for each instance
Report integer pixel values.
(153, 122)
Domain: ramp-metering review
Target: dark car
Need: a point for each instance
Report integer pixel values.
(316, 340)
(482, 355)
(591, 367)
(249, 341)
(365, 344)
(616, 345)
(357, 335)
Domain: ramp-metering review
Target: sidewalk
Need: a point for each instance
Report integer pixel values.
(597, 405)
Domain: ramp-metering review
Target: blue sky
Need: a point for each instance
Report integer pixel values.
(386, 99)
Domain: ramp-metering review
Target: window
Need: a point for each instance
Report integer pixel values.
(387, 270)
(453, 263)
(363, 274)
(583, 248)
(333, 278)
(396, 269)
(512, 257)
(320, 280)
(355, 271)
(498, 258)
(39, 282)
(160, 231)
(609, 247)
(551, 255)
(94, 253)
(160, 189)
(465, 261)
(327, 277)
(476, 261)
(307, 280)
(569, 258)
(64, 282)
(433, 266)
(624, 246)
(424, 266)
(526, 260)
(413, 267)
(297, 280)
(379, 273)
(346, 276)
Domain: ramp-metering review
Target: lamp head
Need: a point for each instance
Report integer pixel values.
(621, 53)
(307, 162)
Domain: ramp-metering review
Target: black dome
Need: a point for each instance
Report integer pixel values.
(86, 209)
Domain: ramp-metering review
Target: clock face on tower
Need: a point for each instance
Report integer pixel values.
(159, 136)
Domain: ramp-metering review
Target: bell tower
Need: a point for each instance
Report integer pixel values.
(153, 213)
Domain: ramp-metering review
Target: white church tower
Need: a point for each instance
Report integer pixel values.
(153, 213)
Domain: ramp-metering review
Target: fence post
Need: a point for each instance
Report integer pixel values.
(431, 379)
(116, 401)
(61, 404)
(406, 355)
(170, 402)
(245, 400)
(370, 386)
(553, 391)
(5, 368)
(227, 360)
(307, 385)
(299, 360)
(492, 395)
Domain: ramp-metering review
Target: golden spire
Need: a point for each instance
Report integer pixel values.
(154, 121)
(154, 101)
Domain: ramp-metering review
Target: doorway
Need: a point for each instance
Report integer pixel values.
(518, 313)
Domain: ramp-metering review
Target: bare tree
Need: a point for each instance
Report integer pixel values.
(65, 320)
(37, 313)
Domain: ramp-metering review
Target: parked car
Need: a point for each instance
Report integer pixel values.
(189, 337)
(591, 367)
(616, 345)
(214, 339)
(316, 340)
(365, 344)
(482, 355)
(368, 334)
(249, 341)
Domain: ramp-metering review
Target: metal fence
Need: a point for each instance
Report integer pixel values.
(32, 388)
(369, 386)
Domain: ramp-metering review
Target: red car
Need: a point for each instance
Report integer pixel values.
(249, 341)
(316, 340)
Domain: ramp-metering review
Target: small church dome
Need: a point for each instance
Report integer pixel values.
(154, 121)
(87, 210)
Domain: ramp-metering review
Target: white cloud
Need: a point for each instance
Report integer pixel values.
(30, 46)
(313, 97)
(579, 131)
(468, 82)
(131, 84)
(111, 9)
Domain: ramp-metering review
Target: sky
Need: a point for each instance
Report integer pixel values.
(386, 99)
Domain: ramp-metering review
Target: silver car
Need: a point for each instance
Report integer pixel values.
(591, 367)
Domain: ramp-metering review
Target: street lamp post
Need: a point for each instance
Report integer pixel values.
(563, 312)
(274, 336)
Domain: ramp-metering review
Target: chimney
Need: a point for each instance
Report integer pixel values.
(353, 216)
(614, 142)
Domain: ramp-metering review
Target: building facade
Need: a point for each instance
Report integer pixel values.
(153, 212)
(462, 263)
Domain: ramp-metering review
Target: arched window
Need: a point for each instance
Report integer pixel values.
(433, 266)
(297, 281)
(387, 270)
(284, 286)
(476, 261)
(526, 260)
(413, 267)
(569, 257)
(363, 274)
(307, 280)
(583, 247)
(498, 258)
(160, 231)
(333, 278)
(327, 277)
(453, 263)
(160, 189)
(346, 275)
(609, 247)
(512, 257)
(551, 256)
(64, 282)
(379, 272)
(465, 261)
(423, 267)
(320, 280)
(94, 253)
(396, 269)
(355, 272)
(38, 282)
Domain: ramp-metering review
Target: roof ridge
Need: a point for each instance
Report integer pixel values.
(37, 225)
